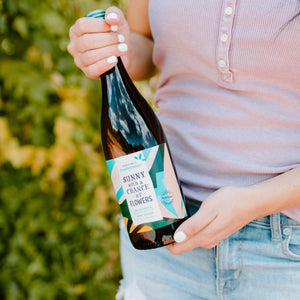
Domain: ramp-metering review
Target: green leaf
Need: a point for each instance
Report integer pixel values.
(21, 26)
(54, 23)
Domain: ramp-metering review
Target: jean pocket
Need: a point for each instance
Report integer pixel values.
(291, 243)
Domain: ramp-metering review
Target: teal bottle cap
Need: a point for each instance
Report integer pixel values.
(98, 13)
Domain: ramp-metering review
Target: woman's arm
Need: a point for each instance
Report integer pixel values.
(141, 65)
(230, 208)
(95, 43)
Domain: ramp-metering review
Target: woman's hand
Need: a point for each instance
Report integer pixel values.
(95, 43)
(231, 208)
(220, 215)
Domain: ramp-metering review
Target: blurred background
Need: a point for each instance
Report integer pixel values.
(58, 213)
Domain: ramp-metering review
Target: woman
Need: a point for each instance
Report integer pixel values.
(229, 99)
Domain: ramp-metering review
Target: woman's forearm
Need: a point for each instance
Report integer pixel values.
(140, 65)
(276, 194)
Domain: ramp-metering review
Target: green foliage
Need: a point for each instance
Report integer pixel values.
(58, 225)
(51, 248)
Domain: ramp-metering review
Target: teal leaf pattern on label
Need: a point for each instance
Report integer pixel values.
(110, 165)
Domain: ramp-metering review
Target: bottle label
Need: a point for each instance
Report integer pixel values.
(146, 186)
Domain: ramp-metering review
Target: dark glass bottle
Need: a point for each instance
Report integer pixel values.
(139, 161)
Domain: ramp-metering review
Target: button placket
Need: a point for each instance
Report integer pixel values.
(224, 39)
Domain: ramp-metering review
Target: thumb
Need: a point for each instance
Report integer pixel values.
(115, 18)
(193, 225)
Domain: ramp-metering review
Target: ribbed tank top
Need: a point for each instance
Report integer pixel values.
(229, 90)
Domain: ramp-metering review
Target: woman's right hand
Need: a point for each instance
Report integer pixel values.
(95, 43)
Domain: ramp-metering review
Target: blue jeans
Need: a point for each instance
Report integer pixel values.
(260, 261)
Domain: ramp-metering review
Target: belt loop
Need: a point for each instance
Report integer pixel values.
(275, 227)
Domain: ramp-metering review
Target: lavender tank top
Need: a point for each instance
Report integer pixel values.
(229, 90)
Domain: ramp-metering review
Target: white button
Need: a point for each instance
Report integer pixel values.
(228, 10)
(286, 231)
(224, 37)
(222, 63)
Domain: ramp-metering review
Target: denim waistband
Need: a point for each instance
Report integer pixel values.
(281, 218)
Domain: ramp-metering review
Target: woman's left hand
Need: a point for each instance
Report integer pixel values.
(220, 215)
(231, 208)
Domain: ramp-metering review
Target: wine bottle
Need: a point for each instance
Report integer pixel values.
(139, 161)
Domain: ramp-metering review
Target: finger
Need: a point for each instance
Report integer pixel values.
(116, 19)
(88, 25)
(208, 237)
(194, 224)
(114, 16)
(203, 239)
(83, 60)
(95, 70)
(94, 41)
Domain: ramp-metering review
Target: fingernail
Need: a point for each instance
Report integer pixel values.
(114, 27)
(111, 59)
(111, 16)
(122, 47)
(179, 236)
(121, 38)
